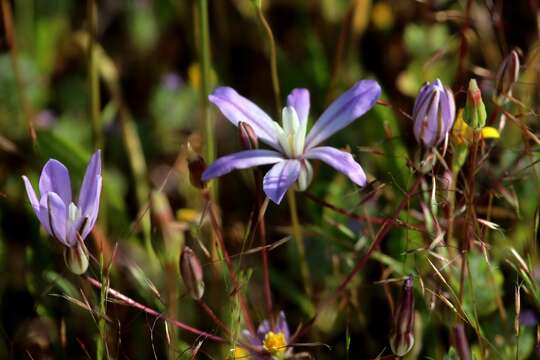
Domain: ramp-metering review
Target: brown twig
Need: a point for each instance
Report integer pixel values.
(130, 302)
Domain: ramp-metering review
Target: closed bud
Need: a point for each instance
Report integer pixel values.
(507, 75)
(475, 110)
(433, 114)
(248, 138)
(402, 337)
(196, 165)
(76, 258)
(192, 274)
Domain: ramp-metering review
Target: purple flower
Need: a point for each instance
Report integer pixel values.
(433, 114)
(270, 340)
(292, 146)
(60, 216)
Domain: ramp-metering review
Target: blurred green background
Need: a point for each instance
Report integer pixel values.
(147, 58)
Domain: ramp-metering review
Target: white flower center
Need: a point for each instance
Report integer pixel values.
(292, 136)
(73, 214)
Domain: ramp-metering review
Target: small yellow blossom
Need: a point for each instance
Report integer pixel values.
(462, 133)
(274, 342)
(239, 353)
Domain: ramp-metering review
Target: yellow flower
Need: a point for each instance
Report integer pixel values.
(274, 342)
(239, 353)
(462, 133)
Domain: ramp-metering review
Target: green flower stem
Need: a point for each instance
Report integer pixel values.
(102, 324)
(93, 76)
(273, 59)
(204, 60)
(297, 234)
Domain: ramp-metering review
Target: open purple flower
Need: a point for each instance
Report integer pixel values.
(63, 219)
(273, 342)
(292, 145)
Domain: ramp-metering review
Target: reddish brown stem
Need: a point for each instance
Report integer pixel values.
(365, 218)
(264, 252)
(383, 231)
(130, 302)
(213, 316)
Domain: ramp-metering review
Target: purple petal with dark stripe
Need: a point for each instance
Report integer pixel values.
(241, 160)
(90, 192)
(341, 161)
(55, 178)
(299, 100)
(348, 107)
(238, 109)
(279, 179)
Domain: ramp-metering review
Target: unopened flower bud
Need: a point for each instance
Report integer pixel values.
(76, 259)
(507, 75)
(433, 114)
(248, 138)
(196, 165)
(475, 110)
(402, 337)
(192, 274)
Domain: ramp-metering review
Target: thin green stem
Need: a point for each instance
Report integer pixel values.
(93, 76)
(102, 325)
(297, 234)
(273, 59)
(204, 60)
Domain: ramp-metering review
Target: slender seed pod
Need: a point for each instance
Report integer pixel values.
(192, 274)
(402, 336)
(507, 76)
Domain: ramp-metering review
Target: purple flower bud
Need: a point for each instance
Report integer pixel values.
(248, 138)
(402, 336)
(507, 75)
(192, 274)
(433, 114)
(197, 166)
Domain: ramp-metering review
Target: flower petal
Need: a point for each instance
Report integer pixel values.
(91, 190)
(92, 214)
(263, 328)
(281, 176)
(53, 215)
(281, 326)
(77, 228)
(299, 100)
(341, 161)
(449, 109)
(238, 109)
(55, 178)
(31, 194)
(348, 107)
(241, 160)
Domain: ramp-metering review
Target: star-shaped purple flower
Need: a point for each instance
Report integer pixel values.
(60, 216)
(292, 145)
(270, 340)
